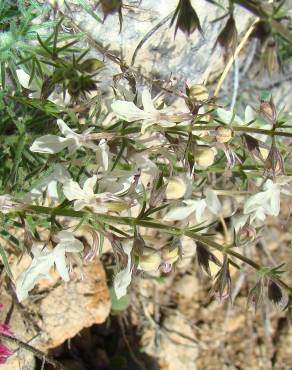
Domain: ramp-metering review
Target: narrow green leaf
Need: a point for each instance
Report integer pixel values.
(5, 262)
(84, 4)
(44, 105)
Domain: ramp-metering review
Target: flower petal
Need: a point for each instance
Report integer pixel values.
(80, 204)
(49, 144)
(147, 101)
(66, 130)
(213, 202)
(60, 261)
(176, 188)
(180, 213)
(123, 278)
(72, 190)
(88, 187)
(128, 111)
(249, 114)
(102, 154)
(38, 269)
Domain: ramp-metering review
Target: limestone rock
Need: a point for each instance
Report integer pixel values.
(187, 58)
(72, 306)
(178, 345)
(21, 360)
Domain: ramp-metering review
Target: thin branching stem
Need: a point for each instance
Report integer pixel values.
(252, 130)
(39, 354)
(154, 224)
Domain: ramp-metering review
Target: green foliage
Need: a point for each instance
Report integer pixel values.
(119, 304)
(95, 168)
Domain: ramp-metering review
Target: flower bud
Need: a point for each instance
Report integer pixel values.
(274, 163)
(247, 233)
(204, 156)
(277, 295)
(115, 204)
(150, 261)
(138, 244)
(223, 134)
(228, 36)
(268, 110)
(110, 6)
(257, 149)
(197, 93)
(166, 267)
(90, 65)
(271, 58)
(176, 188)
(187, 19)
(264, 152)
(170, 254)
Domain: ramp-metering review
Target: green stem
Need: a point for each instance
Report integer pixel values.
(238, 129)
(153, 224)
(229, 251)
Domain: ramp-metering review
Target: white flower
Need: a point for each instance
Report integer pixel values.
(51, 144)
(123, 278)
(44, 259)
(199, 207)
(100, 203)
(267, 202)
(229, 117)
(250, 120)
(49, 184)
(35, 85)
(150, 116)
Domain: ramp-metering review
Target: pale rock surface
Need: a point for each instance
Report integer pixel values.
(75, 305)
(21, 360)
(191, 59)
(178, 345)
(187, 286)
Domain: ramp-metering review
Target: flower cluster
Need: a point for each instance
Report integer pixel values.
(140, 164)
